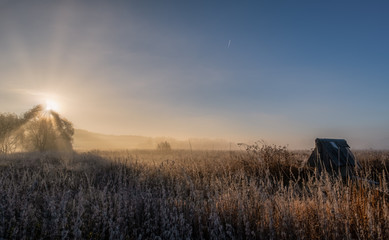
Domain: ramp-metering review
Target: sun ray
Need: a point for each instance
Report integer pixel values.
(51, 106)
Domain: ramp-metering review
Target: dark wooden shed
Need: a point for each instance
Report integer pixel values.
(333, 156)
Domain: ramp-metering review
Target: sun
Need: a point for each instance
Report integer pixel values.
(51, 106)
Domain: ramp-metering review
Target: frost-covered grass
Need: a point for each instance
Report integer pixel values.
(262, 193)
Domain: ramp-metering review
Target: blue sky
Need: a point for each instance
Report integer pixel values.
(282, 71)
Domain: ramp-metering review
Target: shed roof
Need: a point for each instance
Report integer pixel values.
(338, 142)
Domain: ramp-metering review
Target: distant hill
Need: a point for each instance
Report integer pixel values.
(85, 140)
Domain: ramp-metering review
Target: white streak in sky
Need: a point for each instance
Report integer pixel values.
(229, 43)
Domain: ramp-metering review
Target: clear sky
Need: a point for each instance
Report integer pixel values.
(282, 71)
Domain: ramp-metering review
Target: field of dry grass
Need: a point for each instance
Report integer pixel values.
(263, 193)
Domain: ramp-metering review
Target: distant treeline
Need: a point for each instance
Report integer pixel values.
(85, 140)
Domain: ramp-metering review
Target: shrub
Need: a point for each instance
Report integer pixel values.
(164, 146)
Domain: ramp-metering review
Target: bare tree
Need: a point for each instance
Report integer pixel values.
(9, 132)
(32, 113)
(40, 135)
(64, 129)
(35, 130)
(48, 131)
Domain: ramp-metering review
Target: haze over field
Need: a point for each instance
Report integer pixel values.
(84, 141)
(285, 72)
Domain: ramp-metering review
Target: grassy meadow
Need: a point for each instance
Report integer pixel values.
(265, 192)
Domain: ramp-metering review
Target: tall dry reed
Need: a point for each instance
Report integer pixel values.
(262, 193)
